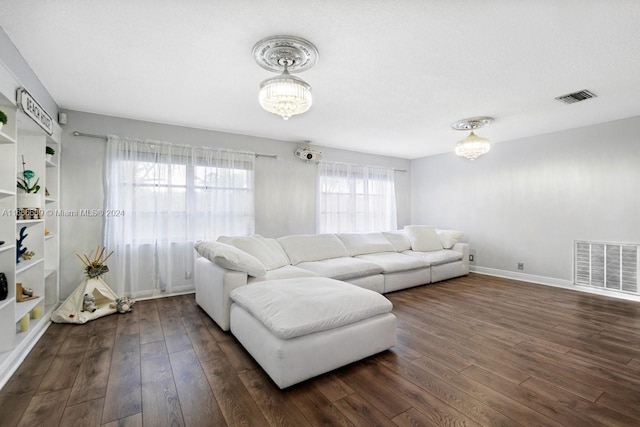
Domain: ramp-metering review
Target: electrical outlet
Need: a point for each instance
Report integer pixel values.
(471, 258)
(520, 266)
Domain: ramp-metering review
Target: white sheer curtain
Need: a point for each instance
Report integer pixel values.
(355, 198)
(159, 199)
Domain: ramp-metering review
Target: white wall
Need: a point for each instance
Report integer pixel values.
(285, 188)
(528, 200)
(15, 63)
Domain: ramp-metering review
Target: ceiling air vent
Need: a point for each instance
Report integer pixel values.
(576, 96)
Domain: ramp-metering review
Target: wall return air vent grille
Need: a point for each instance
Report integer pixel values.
(611, 266)
(576, 96)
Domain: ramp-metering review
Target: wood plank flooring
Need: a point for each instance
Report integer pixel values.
(473, 351)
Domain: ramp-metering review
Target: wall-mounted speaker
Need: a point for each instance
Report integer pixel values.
(62, 118)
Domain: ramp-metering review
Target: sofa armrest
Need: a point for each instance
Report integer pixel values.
(463, 248)
(213, 286)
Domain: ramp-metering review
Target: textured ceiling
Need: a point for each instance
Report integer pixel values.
(391, 77)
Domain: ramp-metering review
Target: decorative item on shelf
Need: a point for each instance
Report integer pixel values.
(3, 119)
(24, 294)
(4, 287)
(27, 255)
(49, 152)
(29, 202)
(473, 146)
(46, 192)
(46, 232)
(24, 323)
(95, 267)
(19, 249)
(36, 312)
(285, 95)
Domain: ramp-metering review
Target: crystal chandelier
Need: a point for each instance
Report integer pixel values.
(473, 146)
(285, 95)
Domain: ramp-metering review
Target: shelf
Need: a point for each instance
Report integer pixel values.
(6, 247)
(6, 302)
(25, 265)
(25, 307)
(6, 139)
(22, 137)
(28, 222)
(5, 193)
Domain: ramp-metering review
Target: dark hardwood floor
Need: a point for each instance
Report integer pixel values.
(471, 351)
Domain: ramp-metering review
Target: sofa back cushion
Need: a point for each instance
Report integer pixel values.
(230, 257)
(398, 239)
(267, 251)
(449, 237)
(365, 243)
(312, 247)
(423, 238)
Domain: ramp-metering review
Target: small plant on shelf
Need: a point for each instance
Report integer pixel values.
(3, 118)
(29, 203)
(49, 151)
(24, 183)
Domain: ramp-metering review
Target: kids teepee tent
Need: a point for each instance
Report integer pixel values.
(71, 309)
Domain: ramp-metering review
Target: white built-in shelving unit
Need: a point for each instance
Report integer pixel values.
(22, 137)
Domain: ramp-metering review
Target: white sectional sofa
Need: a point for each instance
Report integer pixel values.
(382, 262)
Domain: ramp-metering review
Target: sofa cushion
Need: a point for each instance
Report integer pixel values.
(344, 268)
(230, 257)
(365, 243)
(398, 239)
(392, 262)
(292, 308)
(268, 251)
(449, 237)
(423, 238)
(440, 257)
(312, 247)
(286, 272)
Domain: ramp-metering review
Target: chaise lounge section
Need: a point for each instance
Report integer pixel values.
(299, 328)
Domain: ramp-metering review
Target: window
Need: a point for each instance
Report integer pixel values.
(355, 198)
(170, 196)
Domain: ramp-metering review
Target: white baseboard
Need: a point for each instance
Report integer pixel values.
(551, 281)
(157, 294)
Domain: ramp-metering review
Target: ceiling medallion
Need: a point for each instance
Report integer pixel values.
(285, 95)
(473, 146)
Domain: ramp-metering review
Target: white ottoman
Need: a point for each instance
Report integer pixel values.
(299, 328)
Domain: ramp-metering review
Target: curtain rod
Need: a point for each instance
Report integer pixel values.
(93, 135)
(355, 164)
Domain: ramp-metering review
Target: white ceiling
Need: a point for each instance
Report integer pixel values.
(391, 77)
